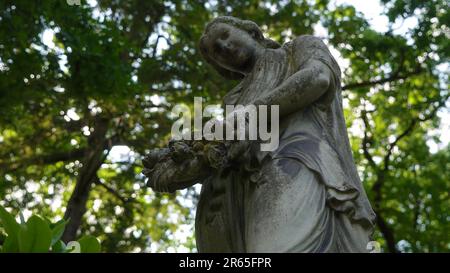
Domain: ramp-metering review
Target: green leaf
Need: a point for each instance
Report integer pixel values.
(11, 245)
(58, 231)
(35, 236)
(59, 247)
(9, 223)
(50, 224)
(89, 244)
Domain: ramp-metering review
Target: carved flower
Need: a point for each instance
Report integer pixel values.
(153, 157)
(180, 151)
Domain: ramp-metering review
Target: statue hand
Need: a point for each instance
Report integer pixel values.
(169, 176)
(174, 168)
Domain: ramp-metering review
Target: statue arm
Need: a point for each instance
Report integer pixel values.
(301, 89)
(182, 164)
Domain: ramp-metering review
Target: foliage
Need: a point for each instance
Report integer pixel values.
(39, 235)
(113, 70)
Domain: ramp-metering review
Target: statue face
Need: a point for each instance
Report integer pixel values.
(232, 48)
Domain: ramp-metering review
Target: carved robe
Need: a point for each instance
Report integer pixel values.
(306, 196)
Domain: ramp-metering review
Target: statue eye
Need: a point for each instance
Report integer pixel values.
(224, 35)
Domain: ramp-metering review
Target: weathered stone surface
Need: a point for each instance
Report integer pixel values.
(306, 195)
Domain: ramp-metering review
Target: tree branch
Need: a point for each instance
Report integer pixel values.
(44, 159)
(155, 46)
(366, 141)
(394, 77)
(112, 191)
(409, 130)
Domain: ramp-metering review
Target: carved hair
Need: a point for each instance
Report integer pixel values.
(245, 25)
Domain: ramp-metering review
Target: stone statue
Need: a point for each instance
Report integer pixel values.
(306, 196)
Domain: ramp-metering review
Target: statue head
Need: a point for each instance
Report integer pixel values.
(231, 45)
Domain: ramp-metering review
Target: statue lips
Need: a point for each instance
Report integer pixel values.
(239, 54)
(236, 58)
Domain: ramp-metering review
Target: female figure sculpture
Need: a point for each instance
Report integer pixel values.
(306, 196)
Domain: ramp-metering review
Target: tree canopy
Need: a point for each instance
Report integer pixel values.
(78, 81)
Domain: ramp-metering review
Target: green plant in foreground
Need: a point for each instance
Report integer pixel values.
(39, 235)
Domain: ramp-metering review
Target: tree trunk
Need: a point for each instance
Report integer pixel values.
(92, 162)
(386, 231)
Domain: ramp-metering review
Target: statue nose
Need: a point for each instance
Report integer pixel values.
(224, 45)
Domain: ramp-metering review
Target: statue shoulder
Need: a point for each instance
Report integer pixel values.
(305, 48)
(307, 42)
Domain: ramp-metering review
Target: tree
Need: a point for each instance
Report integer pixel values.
(117, 68)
